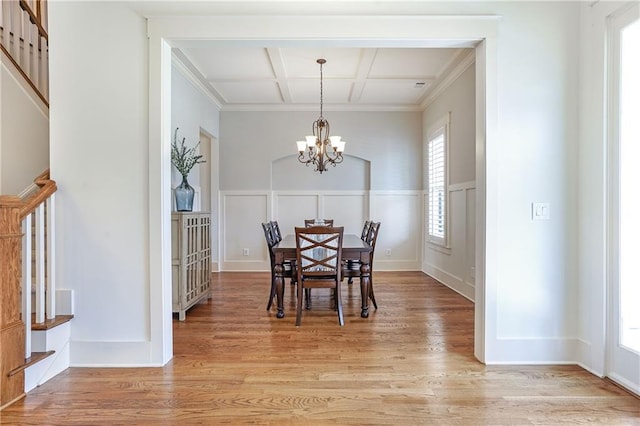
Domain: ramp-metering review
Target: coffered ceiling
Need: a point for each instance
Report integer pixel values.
(286, 78)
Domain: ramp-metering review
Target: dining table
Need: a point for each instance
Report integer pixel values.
(353, 248)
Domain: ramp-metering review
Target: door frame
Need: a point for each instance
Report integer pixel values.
(479, 31)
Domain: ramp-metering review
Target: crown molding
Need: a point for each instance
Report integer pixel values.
(451, 75)
(182, 64)
(353, 108)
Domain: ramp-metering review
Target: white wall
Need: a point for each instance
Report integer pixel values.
(192, 111)
(390, 141)
(101, 113)
(383, 149)
(99, 157)
(24, 132)
(535, 290)
(455, 266)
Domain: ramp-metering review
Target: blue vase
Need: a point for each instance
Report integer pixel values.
(184, 196)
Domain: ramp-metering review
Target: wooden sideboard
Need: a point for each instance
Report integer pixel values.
(190, 259)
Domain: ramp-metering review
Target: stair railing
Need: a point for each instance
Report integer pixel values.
(25, 41)
(38, 216)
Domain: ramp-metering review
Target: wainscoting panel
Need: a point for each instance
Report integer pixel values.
(348, 209)
(243, 245)
(291, 208)
(455, 265)
(398, 247)
(399, 241)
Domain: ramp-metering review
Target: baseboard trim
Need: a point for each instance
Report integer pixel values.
(455, 283)
(111, 354)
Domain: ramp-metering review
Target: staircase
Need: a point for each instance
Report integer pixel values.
(35, 315)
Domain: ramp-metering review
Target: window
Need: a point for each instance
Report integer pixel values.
(437, 182)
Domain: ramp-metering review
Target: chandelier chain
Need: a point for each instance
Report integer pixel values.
(321, 96)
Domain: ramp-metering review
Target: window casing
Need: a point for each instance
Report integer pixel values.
(437, 159)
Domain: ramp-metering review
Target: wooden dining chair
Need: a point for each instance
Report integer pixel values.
(275, 231)
(352, 269)
(312, 222)
(289, 267)
(365, 230)
(319, 264)
(363, 237)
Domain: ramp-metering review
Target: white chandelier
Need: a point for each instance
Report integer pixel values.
(320, 149)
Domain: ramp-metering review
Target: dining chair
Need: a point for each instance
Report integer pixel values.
(352, 269)
(289, 267)
(365, 230)
(363, 237)
(275, 231)
(319, 264)
(318, 222)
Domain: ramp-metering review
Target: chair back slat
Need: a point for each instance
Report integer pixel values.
(372, 236)
(275, 231)
(318, 222)
(365, 230)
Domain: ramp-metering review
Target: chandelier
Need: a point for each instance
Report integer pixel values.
(320, 149)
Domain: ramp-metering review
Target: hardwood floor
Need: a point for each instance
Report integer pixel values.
(411, 362)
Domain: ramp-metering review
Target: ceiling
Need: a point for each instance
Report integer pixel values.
(279, 78)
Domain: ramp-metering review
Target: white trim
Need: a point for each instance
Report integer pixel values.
(194, 77)
(455, 283)
(28, 191)
(462, 186)
(451, 76)
(51, 257)
(160, 348)
(345, 31)
(26, 282)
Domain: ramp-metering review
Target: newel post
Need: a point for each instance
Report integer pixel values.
(12, 331)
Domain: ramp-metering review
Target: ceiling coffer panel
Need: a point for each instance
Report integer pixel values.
(279, 76)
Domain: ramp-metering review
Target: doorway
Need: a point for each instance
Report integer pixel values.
(623, 331)
(470, 32)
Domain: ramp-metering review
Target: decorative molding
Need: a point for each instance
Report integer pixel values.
(535, 351)
(309, 107)
(462, 186)
(111, 354)
(455, 283)
(450, 77)
(194, 77)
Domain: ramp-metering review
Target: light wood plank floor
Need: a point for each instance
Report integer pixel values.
(411, 362)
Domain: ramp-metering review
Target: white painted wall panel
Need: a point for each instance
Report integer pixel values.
(292, 208)
(289, 174)
(99, 158)
(452, 265)
(24, 133)
(192, 112)
(346, 209)
(389, 141)
(399, 214)
(242, 216)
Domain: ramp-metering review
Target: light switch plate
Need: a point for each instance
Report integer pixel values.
(540, 211)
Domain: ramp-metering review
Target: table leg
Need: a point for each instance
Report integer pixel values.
(365, 279)
(279, 272)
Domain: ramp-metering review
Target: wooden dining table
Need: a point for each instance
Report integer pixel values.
(353, 248)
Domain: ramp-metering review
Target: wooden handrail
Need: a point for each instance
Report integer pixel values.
(24, 75)
(35, 20)
(29, 57)
(47, 188)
